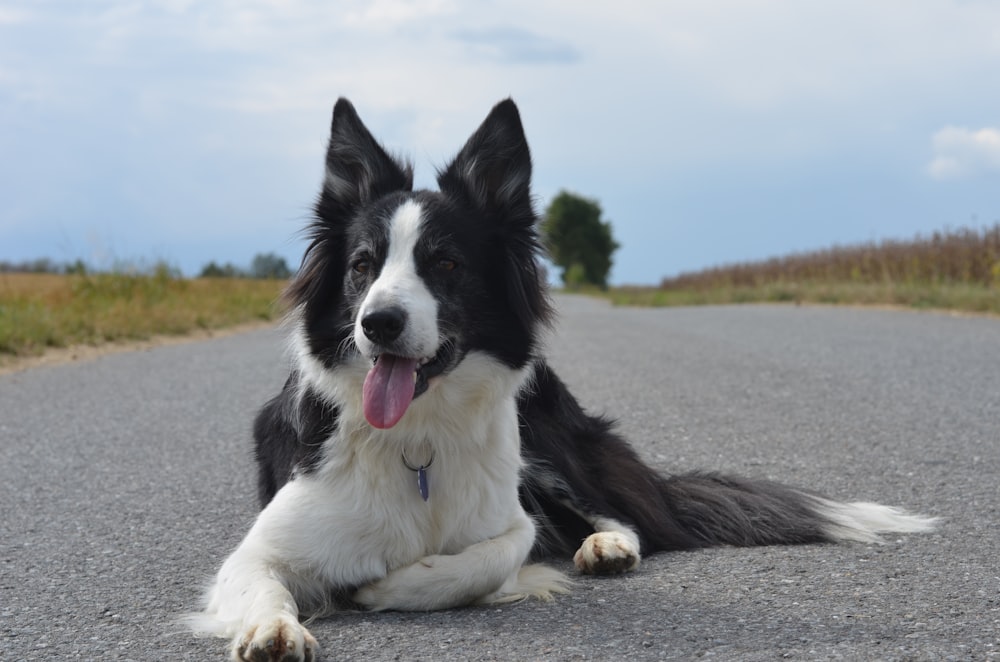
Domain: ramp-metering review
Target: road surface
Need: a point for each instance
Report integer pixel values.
(126, 480)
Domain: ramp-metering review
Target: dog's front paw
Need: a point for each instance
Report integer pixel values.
(370, 597)
(410, 588)
(607, 553)
(280, 639)
(422, 586)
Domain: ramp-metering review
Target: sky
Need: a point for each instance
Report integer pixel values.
(710, 131)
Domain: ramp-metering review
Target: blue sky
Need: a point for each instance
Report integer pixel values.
(710, 131)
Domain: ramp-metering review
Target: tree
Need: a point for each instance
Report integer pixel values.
(227, 270)
(269, 265)
(578, 240)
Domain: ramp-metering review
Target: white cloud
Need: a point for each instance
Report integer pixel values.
(10, 16)
(516, 45)
(961, 152)
(394, 12)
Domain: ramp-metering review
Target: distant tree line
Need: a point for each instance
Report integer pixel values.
(42, 266)
(263, 266)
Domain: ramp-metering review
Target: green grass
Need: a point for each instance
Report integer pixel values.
(958, 297)
(41, 311)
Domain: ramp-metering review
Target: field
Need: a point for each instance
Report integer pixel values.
(42, 311)
(954, 270)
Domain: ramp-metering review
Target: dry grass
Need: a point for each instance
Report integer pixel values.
(963, 256)
(41, 311)
(955, 270)
(958, 270)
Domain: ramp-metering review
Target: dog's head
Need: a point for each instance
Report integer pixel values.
(412, 282)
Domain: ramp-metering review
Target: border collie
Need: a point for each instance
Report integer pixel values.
(422, 451)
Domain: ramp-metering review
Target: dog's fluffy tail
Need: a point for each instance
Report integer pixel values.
(720, 510)
(579, 470)
(535, 580)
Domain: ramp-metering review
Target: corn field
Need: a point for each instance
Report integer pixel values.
(959, 257)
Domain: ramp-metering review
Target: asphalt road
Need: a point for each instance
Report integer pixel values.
(126, 480)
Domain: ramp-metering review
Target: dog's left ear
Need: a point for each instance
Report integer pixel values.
(493, 173)
(493, 169)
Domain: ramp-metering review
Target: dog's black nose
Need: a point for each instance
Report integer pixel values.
(384, 326)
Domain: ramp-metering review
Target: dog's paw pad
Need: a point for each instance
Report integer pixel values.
(607, 553)
(282, 639)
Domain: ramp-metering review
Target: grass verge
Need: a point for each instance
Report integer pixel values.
(42, 311)
(963, 297)
(955, 270)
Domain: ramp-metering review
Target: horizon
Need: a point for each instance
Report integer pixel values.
(249, 269)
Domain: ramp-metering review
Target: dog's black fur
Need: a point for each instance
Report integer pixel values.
(586, 467)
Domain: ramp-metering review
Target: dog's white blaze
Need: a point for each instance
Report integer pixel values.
(399, 285)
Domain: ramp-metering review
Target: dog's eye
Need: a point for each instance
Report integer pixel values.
(446, 264)
(361, 265)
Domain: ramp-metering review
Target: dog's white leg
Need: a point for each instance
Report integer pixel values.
(251, 599)
(613, 548)
(249, 592)
(250, 603)
(488, 571)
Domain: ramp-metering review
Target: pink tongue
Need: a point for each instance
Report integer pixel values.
(388, 390)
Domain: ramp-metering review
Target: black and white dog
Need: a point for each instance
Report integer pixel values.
(422, 451)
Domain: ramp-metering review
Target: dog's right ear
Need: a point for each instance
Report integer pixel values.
(358, 169)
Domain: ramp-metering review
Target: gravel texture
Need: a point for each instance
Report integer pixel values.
(124, 482)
